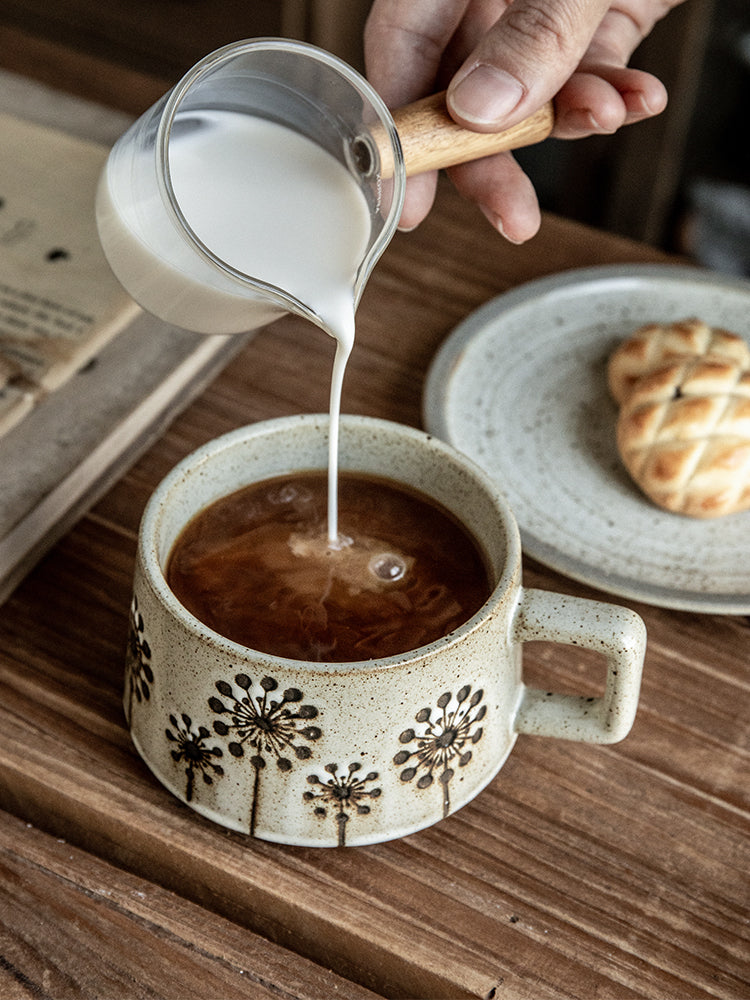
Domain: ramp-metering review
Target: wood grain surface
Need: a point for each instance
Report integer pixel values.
(611, 872)
(119, 936)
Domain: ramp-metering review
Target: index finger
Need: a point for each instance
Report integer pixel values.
(404, 45)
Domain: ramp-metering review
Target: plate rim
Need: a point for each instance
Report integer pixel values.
(436, 390)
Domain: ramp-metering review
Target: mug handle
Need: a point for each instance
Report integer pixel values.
(616, 632)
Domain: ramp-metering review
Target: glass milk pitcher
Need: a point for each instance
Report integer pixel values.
(149, 234)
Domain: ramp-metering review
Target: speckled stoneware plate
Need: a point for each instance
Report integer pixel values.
(520, 387)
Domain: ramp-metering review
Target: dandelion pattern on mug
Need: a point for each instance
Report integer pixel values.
(192, 750)
(346, 793)
(138, 673)
(446, 741)
(272, 728)
(261, 724)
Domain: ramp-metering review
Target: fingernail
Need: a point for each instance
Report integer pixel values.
(486, 95)
(497, 223)
(579, 123)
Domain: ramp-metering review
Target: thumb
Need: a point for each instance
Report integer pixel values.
(522, 61)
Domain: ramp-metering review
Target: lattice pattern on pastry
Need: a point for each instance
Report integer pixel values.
(684, 436)
(655, 344)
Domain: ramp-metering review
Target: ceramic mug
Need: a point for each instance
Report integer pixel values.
(333, 754)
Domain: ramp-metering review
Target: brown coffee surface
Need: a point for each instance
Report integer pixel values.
(256, 567)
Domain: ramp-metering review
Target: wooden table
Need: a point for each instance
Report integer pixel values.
(580, 872)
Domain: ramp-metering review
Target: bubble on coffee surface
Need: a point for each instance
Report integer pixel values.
(388, 566)
(289, 494)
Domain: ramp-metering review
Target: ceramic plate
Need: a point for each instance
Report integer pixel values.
(520, 387)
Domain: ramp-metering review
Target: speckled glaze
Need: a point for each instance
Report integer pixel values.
(353, 753)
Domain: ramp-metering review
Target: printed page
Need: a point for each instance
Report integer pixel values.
(59, 301)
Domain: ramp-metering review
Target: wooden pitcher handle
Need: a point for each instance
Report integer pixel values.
(431, 139)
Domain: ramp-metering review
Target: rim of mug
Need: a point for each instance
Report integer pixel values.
(356, 80)
(192, 463)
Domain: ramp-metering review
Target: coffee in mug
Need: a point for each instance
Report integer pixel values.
(257, 566)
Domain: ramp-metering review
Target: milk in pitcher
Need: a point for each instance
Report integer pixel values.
(266, 201)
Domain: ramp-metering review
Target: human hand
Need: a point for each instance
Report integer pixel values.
(500, 61)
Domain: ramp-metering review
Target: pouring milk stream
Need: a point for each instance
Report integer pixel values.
(270, 180)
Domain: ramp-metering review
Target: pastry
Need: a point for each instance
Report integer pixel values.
(684, 435)
(656, 343)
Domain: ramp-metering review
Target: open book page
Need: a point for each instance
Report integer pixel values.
(59, 302)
